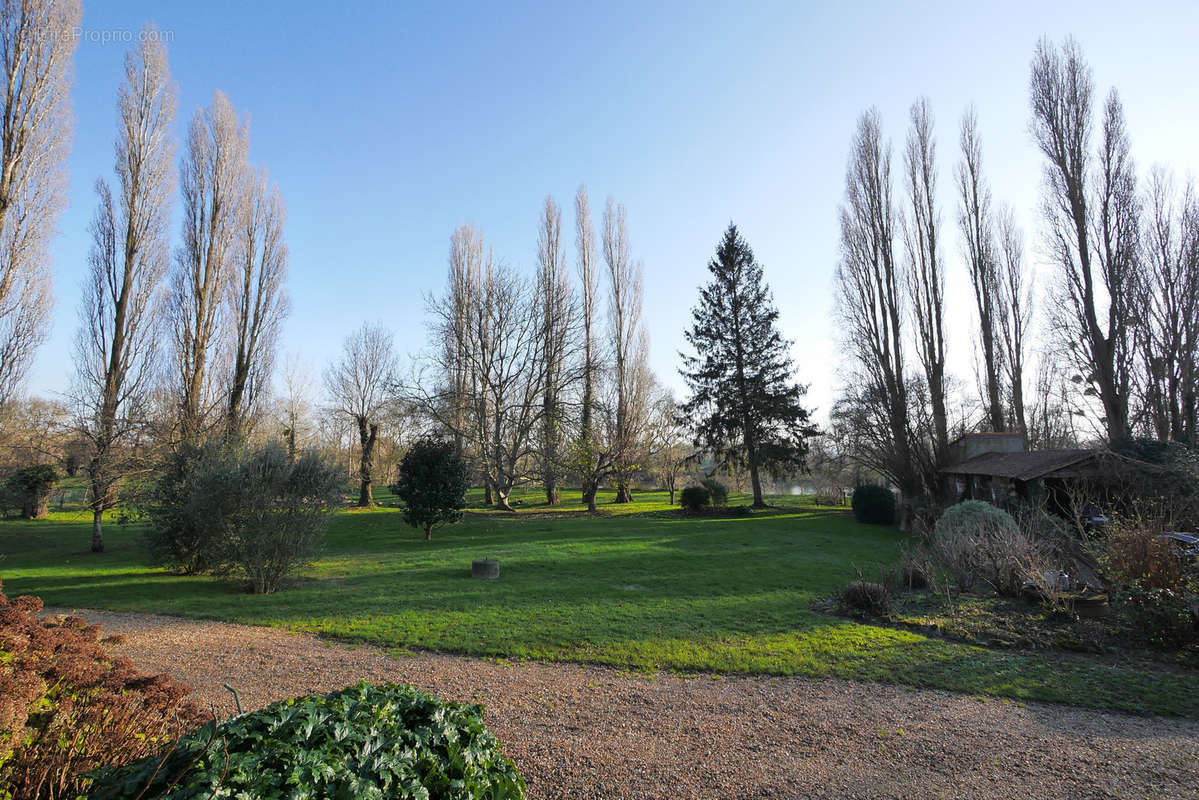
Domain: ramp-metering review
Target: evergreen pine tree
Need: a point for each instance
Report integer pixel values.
(744, 406)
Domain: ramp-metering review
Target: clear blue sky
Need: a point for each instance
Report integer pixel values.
(388, 124)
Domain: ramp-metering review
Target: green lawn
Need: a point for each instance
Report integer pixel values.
(639, 588)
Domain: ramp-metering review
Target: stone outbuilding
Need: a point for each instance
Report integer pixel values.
(999, 468)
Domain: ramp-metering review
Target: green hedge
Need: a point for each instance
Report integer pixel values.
(695, 498)
(874, 505)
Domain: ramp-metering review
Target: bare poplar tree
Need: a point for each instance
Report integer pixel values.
(256, 299)
(870, 306)
(1090, 212)
(557, 322)
(974, 217)
(213, 187)
(629, 343)
(1013, 310)
(37, 47)
(121, 307)
(592, 457)
(1170, 307)
(360, 384)
(925, 268)
(463, 284)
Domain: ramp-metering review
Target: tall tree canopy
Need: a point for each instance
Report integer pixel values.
(744, 406)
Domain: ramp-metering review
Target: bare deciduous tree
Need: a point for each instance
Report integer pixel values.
(505, 372)
(121, 307)
(630, 344)
(465, 277)
(295, 409)
(1014, 305)
(360, 384)
(1051, 418)
(592, 457)
(555, 298)
(1090, 212)
(870, 306)
(213, 187)
(925, 268)
(37, 48)
(257, 299)
(507, 368)
(974, 217)
(670, 442)
(1169, 307)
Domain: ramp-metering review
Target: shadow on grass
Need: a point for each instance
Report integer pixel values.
(632, 590)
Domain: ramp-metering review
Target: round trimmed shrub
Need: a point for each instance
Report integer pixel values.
(432, 484)
(874, 505)
(695, 498)
(977, 541)
(974, 518)
(386, 740)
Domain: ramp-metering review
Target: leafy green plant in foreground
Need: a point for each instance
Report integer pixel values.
(364, 741)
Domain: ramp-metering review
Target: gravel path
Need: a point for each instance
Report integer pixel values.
(587, 732)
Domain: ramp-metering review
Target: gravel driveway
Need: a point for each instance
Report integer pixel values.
(589, 732)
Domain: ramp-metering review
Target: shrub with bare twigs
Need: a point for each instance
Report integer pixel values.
(979, 543)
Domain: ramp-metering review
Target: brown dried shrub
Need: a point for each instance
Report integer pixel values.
(68, 706)
(1136, 554)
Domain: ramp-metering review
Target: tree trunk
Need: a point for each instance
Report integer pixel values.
(97, 532)
(487, 497)
(552, 496)
(1018, 403)
(367, 433)
(501, 499)
(995, 405)
(751, 450)
(36, 505)
(623, 495)
(589, 489)
(428, 533)
(755, 482)
(941, 419)
(1115, 404)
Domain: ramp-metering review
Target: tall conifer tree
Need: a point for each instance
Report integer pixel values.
(744, 406)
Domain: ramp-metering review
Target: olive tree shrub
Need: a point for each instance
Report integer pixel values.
(253, 513)
(191, 507)
(280, 521)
